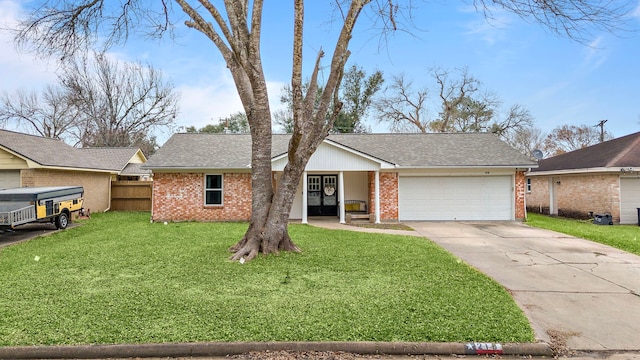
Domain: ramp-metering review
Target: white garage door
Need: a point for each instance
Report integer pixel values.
(629, 200)
(9, 179)
(456, 198)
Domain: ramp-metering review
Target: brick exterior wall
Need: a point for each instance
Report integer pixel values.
(180, 197)
(97, 186)
(520, 183)
(578, 194)
(388, 195)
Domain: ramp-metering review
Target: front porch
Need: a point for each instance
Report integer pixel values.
(336, 175)
(344, 195)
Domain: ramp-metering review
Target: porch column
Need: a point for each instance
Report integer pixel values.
(377, 196)
(304, 198)
(341, 196)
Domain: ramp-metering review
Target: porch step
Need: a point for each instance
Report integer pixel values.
(351, 217)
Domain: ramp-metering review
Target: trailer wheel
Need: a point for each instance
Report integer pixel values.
(62, 220)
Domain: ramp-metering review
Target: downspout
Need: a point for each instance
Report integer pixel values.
(109, 202)
(376, 196)
(341, 208)
(524, 197)
(304, 198)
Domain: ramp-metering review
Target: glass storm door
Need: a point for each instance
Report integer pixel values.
(322, 195)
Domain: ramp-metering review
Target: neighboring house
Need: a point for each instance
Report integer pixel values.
(30, 161)
(472, 176)
(599, 179)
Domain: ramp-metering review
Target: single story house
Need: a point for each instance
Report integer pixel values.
(30, 161)
(599, 179)
(461, 176)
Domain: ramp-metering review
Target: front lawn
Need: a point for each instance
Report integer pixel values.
(623, 237)
(121, 279)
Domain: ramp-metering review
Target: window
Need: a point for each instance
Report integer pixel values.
(529, 185)
(213, 190)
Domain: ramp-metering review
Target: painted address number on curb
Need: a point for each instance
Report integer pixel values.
(483, 348)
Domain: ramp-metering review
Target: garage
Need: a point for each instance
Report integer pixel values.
(455, 198)
(629, 200)
(9, 179)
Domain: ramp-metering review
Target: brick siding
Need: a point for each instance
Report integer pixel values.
(180, 197)
(388, 195)
(579, 194)
(520, 195)
(97, 186)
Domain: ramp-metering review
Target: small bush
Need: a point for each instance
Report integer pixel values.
(574, 214)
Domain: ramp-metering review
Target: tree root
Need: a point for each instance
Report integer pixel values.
(249, 247)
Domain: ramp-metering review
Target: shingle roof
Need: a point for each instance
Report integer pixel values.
(133, 169)
(55, 153)
(220, 151)
(617, 153)
(112, 158)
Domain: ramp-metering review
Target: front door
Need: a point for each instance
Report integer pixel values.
(322, 195)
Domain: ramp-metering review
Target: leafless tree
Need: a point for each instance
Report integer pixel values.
(119, 103)
(567, 138)
(453, 93)
(403, 106)
(50, 114)
(462, 107)
(234, 27)
(526, 140)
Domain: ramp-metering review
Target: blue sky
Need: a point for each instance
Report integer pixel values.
(558, 80)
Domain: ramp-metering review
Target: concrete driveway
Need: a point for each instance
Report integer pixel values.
(570, 289)
(27, 232)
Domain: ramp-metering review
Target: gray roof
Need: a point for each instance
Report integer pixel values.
(617, 153)
(134, 169)
(228, 151)
(112, 158)
(55, 153)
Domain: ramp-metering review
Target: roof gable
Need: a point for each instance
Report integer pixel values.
(114, 158)
(232, 151)
(617, 153)
(330, 156)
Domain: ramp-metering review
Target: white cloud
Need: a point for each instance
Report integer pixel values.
(19, 70)
(595, 54)
(207, 98)
(489, 26)
(636, 12)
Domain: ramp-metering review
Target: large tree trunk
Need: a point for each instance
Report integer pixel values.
(268, 230)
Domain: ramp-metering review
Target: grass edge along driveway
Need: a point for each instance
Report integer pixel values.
(623, 237)
(121, 279)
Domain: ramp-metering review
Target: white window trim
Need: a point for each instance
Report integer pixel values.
(212, 189)
(527, 185)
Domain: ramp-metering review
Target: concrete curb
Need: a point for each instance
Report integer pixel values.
(236, 348)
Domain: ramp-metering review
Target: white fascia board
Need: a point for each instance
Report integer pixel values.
(179, 169)
(34, 165)
(441, 167)
(383, 164)
(581, 171)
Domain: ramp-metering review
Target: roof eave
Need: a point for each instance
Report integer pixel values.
(424, 167)
(193, 168)
(616, 169)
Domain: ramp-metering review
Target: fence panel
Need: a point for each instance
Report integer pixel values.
(131, 195)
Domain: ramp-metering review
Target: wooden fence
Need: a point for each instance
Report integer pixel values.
(131, 195)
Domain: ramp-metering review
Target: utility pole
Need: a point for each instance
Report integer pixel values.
(601, 125)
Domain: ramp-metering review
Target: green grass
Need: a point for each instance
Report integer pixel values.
(121, 279)
(623, 237)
